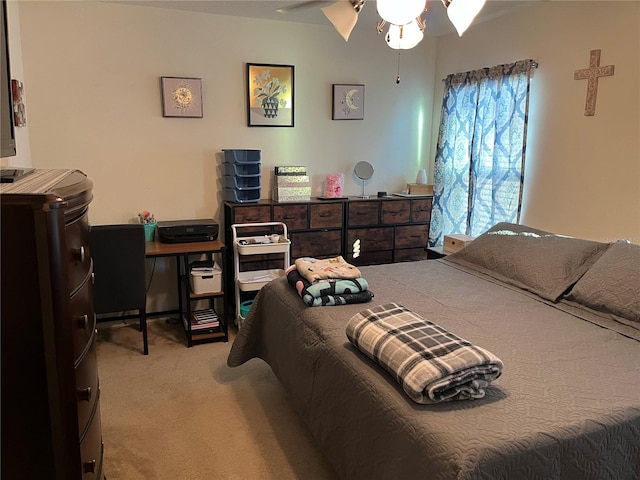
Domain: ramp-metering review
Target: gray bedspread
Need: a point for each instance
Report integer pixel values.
(567, 405)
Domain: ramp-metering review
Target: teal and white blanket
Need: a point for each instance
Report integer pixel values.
(329, 292)
(431, 364)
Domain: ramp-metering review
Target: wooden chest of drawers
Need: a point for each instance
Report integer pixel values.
(315, 229)
(51, 425)
(363, 231)
(386, 230)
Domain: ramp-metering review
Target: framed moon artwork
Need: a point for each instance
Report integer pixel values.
(348, 102)
(181, 97)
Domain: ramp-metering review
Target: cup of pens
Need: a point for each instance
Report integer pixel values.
(149, 221)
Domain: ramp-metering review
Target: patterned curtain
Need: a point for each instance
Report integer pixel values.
(479, 163)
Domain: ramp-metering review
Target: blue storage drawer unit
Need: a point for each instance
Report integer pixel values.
(241, 183)
(248, 195)
(242, 170)
(241, 157)
(241, 179)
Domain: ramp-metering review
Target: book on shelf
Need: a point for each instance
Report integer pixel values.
(209, 321)
(207, 315)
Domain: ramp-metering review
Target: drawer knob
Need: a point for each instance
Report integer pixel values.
(89, 467)
(85, 394)
(80, 254)
(83, 321)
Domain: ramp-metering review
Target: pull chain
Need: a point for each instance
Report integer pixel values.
(398, 75)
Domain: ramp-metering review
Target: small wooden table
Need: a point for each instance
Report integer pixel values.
(182, 251)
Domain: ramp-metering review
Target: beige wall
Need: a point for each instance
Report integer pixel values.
(582, 173)
(92, 72)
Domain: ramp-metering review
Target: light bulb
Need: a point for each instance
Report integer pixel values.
(404, 37)
(400, 12)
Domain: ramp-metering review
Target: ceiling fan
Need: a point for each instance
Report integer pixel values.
(406, 26)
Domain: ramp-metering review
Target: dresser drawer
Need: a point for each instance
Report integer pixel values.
(410, 254)
(252, 214)
(396, 211)
(316, 244)
(370, 258)
(411, 236)
(83, 321)
(295, 216)
(87, 387)
(79, 256)
(371, 239)
(421, 209)
(326, 215)
(91, 450)
(363, 213)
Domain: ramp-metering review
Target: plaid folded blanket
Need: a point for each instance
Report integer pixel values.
(314, 269)
(329, 292)
(431, 364)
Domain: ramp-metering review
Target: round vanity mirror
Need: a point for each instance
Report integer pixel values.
(364, 171)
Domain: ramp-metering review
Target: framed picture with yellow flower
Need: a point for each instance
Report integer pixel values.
(181, 97)
(270, 95)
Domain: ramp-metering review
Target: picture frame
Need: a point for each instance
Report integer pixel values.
(17, 97)
(348, 102)
(270, 95)
(181, 97)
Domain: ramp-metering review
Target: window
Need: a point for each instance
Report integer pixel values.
(479, 163)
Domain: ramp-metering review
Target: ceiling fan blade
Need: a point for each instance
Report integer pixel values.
(302, 6)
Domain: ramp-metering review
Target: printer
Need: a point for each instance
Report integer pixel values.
(179, 231)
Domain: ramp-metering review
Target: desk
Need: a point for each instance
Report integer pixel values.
(181, 252)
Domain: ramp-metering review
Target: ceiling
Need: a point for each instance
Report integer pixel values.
(302, 11)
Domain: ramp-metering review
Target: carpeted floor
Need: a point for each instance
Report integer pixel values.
(181, 414)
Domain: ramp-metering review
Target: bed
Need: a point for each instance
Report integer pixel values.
(563, 314)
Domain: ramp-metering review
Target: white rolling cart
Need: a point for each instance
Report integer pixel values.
(254, 280)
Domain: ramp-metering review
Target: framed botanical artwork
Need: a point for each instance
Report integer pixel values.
(270, 95)
(181, 97)
(348, 102)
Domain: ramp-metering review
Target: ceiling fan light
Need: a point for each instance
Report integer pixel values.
(343, 15)
(462, 12)
(404, 37)
(400, 12)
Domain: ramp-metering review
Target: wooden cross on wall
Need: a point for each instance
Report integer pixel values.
(592, 74)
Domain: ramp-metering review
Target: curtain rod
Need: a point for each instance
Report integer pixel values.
(534, 64)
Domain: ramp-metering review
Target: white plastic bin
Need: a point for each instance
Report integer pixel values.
(206, 280)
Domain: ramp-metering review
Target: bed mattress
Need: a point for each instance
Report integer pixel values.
(566, 406)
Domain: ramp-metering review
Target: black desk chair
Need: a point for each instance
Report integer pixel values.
(118, 253)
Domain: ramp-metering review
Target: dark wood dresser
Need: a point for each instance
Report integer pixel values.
(364, 231)
(51, 425)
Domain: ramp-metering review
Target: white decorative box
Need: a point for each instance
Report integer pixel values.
(291, 180)
(453, 243)
(292, 192)
(206, 280)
